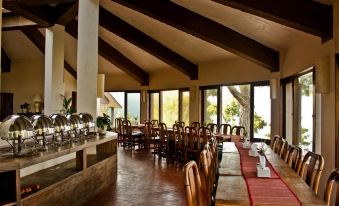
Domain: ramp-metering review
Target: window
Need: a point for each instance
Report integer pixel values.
(210, 106)
(133, 107)
(170, 106)
(154, 106)
(185, 106)
(262, 115)
(299, 107)
(247, 105)
(130, 106)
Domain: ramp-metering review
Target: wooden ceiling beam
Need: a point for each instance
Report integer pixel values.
(119, 27)
(66, 12)
(42, 15)
(5, 61)
(39, 41)
(307, 16)
(39, 2)
(114, 56)
(206, 29)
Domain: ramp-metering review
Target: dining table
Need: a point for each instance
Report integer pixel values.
(238, 183)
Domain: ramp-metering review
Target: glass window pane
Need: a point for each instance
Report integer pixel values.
(133, 107)
(154, 106)
(262, 112)
(185, 107)
(120, 98)
(170, 107)
(211, 102)
(289, 112)
(306, 111)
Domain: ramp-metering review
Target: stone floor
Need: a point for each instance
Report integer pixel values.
(143, 180)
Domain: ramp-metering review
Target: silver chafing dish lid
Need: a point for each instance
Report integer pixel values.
(14, 126)
(87, 120)
(75, 121)
(60, 123)
(42, 123)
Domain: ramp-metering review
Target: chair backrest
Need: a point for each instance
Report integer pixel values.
(163, 133)
(181, 124)
(276, 143)
(274, 140)
(334, 177)
(191, 135)
(206, 167)
(193, 185)
(126, 128)
(225, 128)
(118, 125)
(148, 131)
(283, 149)
(294, 157)
(196, 125)
(213, 127)
(205, 133)
(315, 165)
(238, 130)
(155, 122)
(178, 134)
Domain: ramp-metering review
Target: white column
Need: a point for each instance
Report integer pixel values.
(194, 101)
(54, 68)
(87, 71)
(144, 103)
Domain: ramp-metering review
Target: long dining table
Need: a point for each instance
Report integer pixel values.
(233, 184)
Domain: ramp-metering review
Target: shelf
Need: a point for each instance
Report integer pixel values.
(50, 176)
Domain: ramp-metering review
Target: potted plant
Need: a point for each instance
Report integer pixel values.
(24, 107)
(103, 123)
(66, 104)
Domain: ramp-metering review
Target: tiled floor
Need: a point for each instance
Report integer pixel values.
(143, 180)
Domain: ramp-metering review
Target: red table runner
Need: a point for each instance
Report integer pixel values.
(264, 191)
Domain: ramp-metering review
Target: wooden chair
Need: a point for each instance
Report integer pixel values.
(155, 122)
(118, 129)
(283, 149)
(196, 125)
(238, 130)
(130, 138)
(334, 177)
(193, 143)
(155, 140)
(315, 165)
(192, 183)
(206, 134)
(294, 157)
(213, 127)
(206, 167)
(225, 128)
(181, 124)
(163, 142)
(148, 135)
(180, 147)
(277, 139)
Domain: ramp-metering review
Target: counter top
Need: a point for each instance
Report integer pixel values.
(10, 162)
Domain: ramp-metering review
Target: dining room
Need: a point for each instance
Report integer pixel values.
(180, 102)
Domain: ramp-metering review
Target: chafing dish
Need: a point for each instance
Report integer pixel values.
(15, 129)
(88, 123)
(43, 127)
(76, 124)
(61, 126)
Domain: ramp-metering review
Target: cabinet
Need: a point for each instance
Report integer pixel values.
(72, 182)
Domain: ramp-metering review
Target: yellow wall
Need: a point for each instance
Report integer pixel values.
(26, 79)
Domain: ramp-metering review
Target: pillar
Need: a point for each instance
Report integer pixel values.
(54, 68)
(194, 102)
(144, 104)
(87, 58)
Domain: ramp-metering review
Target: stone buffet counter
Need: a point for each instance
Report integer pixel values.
(71, 182)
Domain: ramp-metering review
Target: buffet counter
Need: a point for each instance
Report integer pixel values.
(72, 182)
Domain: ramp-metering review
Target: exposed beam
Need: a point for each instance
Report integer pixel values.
(5, 61)
(42, 15)
(308, 16)
(39, 41)
(206, 29)
(114, 56)
(66, 12)
(20, 27)
(117, 26)
(39, 2)
(12, 21)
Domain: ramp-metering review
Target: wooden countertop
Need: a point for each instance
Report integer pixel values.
(10, 162)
